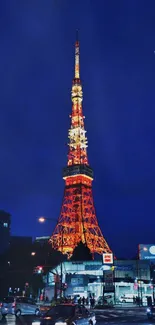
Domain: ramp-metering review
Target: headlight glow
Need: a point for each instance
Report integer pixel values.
(148, 310)
(36, 323)
(60, 323)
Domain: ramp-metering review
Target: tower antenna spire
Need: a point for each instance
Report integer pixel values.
(77, 56)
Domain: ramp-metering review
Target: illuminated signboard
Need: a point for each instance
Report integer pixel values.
(107, 258)
(146, 252)
(109, 281)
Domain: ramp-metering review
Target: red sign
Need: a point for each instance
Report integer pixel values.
(107, 258)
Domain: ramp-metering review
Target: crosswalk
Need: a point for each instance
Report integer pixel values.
(12, 320)
(9, 319)
(122, 316)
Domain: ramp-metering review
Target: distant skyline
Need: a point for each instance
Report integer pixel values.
(118, 75)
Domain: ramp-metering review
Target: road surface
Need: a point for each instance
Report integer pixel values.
(113, 316)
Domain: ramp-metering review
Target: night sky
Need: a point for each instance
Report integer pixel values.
(117, 43)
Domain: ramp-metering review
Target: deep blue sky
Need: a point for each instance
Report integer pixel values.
(117, 43)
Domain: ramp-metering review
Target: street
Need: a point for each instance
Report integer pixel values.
(113, 316)
(121, 315)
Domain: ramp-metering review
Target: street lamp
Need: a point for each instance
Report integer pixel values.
(33, 253)
(42, 220)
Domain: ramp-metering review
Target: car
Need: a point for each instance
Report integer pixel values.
(150, 312)
(67, 314)
(126, 298)
(7, 305)
(106, 301)
(19, 306)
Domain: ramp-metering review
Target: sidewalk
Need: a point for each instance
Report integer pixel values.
(129, 305)
(122, 307)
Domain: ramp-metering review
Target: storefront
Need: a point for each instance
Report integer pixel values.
(83, 279)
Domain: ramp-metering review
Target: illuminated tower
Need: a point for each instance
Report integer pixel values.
(77, 221)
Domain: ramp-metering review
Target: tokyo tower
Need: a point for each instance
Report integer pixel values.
(77, 221)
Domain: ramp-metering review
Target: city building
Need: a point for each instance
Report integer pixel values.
(20, 265)
(18, 241)
(42, 240)
(5, 224)
(127, 277)
(77, 221)
(20, 250)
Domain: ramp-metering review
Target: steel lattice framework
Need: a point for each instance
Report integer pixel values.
(77, 221)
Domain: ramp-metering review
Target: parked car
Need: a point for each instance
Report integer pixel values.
(129, 297)
(68, 314)
(7, 305)
(106, 301)
(126, 298)
(19, 306)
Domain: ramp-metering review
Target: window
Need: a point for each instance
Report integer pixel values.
(76, 281)
(5, 224)
(8, 300)
(78, 310)
(85, 311)
(61, 311)
(20, 300)
(31, 301)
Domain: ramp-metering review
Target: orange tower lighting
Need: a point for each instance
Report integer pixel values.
(77, 221)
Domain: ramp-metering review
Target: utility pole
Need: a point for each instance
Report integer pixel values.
(103, 287)
(42, 220)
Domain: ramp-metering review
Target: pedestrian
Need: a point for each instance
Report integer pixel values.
(92, 302)
(83, 300)
(79, 301)
(149, 301)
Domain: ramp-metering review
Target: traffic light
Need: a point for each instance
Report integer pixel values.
(38, 270)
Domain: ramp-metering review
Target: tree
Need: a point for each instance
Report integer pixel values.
(81, 253)
(47, 257)
(36, 283)
(18, 266)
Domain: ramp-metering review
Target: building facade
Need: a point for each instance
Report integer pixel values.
(16, 241)
(5, 224)
(126, 277)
